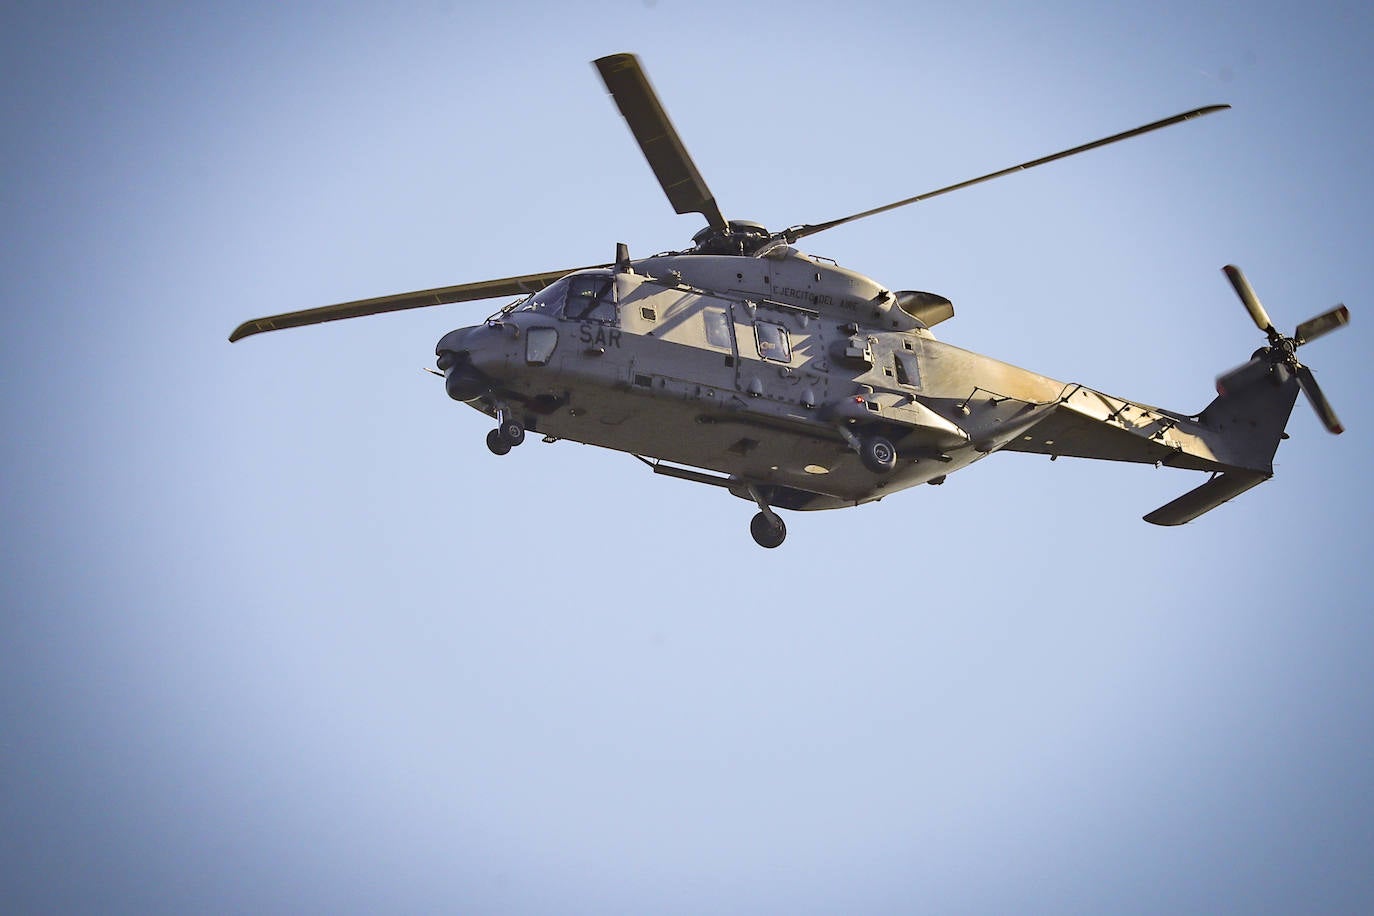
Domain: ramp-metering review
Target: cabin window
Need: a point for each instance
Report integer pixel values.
(539, 345)
(773, 342)
(908, 370)
(717, 328)
(591, 297)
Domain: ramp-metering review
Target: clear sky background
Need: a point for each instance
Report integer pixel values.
(279, 633)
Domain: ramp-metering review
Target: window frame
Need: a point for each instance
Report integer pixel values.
(601, 308)
(783, 342)
(540, 335)
(718, 324)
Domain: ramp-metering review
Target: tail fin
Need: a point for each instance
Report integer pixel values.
(1250, 412)
(1243, 428)
(1244, 425)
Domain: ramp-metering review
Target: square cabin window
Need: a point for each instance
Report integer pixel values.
(539, 345)
(717, 328)
(773, 342)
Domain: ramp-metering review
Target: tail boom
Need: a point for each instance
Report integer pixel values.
(1235, 437)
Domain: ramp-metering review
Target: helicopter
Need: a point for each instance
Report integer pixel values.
(795, 383)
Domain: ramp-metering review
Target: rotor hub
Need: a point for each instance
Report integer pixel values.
(739, 237)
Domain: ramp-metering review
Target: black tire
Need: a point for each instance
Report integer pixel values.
(512, 432)
(498, 443)
(766, 532)
(878, 454)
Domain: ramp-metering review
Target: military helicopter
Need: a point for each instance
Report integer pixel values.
(797, 384)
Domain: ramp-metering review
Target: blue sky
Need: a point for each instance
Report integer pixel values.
(281, 634)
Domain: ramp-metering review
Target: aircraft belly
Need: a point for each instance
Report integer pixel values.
(673, 423)
(699, 434)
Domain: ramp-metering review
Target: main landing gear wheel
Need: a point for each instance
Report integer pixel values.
(878, 454)
(767, 532)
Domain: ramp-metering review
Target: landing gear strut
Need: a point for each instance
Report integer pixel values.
(766, 526)
(509, 433)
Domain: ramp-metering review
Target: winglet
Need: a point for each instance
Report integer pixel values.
(1205, 498)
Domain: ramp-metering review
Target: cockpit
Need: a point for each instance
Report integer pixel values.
(580, 297)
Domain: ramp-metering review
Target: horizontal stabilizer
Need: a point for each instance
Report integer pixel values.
(1205, 498)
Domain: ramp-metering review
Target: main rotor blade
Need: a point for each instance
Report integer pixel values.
(1247, 296)
(1324, 323)
(649, 123)
(464, 292)
(1320, 404)
(799, 232)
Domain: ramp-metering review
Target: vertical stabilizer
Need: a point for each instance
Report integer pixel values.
(1249, 415)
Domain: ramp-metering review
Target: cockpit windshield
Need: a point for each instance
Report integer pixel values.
(549, 299)
(580, 297)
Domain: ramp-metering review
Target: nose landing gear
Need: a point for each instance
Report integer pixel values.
(509, 433)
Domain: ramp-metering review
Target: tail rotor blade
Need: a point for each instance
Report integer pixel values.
(1247, 296)
(1324, 323)
(1320, 404)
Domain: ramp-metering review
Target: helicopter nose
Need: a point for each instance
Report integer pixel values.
(462, 379)
(452, 342)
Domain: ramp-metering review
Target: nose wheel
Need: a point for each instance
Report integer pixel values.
(509, 433)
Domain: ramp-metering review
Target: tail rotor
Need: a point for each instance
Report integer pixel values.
(1282, 351)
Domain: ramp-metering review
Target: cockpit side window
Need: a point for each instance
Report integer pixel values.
(773, 342)
(590, 298)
